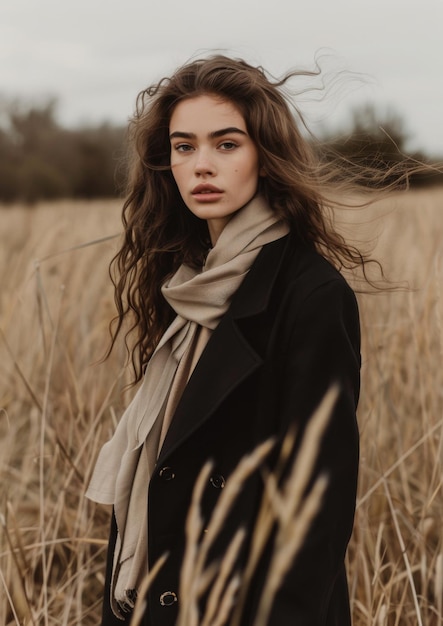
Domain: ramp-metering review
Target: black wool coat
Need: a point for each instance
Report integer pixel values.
(291, 331)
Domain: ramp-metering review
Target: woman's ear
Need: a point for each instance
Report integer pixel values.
(262, 172)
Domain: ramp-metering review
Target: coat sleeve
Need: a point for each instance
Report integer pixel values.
(324, 348)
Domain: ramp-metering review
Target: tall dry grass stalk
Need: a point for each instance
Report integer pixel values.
(57, 407)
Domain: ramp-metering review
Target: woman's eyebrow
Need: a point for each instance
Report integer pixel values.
(216, 133)
(226, 131)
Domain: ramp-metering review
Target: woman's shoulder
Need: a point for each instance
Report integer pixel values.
(311, 290)
(306, 270)
(287, 273)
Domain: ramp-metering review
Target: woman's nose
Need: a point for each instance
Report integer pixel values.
(204, 164)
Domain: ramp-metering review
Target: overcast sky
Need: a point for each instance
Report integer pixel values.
(95, 55)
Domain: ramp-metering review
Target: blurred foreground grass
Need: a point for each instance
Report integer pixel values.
(58, 405)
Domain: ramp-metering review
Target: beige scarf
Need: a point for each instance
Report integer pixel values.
(126, 463)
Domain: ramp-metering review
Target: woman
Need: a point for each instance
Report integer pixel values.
(240, 325)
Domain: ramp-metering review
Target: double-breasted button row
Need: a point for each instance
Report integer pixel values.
(217, 481)
(166, 473)
(168, 598)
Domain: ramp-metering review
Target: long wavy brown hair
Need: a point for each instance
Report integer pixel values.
(160, 233)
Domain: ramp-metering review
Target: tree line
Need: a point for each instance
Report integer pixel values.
(375, 143)
(41, 159)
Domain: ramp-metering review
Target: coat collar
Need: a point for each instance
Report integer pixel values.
(230, 355)
(252, 298)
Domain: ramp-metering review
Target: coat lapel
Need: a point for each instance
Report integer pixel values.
(231, 354)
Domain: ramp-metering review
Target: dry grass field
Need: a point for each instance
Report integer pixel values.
(58, 405)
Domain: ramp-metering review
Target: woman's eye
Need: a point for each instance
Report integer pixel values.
(228, 145)
(183, 147)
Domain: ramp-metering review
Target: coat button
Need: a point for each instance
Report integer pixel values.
(168, 598)
(166, 473)
(217, 481)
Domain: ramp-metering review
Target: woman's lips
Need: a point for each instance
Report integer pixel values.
(206, 193)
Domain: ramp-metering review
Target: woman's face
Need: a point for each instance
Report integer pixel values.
(213, 159)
